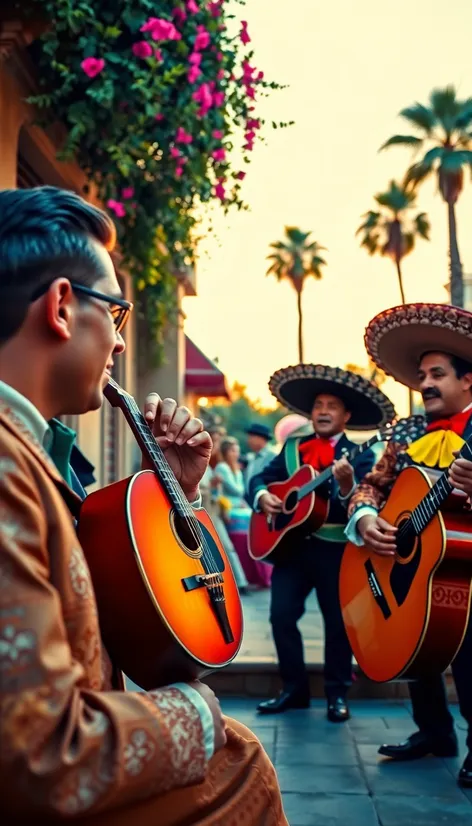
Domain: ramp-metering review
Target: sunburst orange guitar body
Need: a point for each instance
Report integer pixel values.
(406, 615)
(169, 607)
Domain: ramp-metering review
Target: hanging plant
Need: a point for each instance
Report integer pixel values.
(154, 97)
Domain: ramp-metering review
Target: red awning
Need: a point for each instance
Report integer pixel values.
(201, 375)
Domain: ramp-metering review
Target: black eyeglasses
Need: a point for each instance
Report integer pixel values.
(120, 309)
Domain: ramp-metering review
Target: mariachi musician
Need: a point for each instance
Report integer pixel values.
(427, 347)
(332, 398)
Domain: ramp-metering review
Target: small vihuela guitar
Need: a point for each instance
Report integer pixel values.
(270, 537)
(169, 607)
(406, 615)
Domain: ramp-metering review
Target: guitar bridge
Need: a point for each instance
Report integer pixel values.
(214, 586)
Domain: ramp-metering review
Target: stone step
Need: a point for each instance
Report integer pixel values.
(261, 679)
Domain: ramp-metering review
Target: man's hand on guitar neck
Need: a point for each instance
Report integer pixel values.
(270, 504)
(343, 472)
(378, 534)
(187, 446)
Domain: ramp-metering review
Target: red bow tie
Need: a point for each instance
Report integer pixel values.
(456, 423)
(319, 453)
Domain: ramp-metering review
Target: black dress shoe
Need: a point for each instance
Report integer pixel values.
(420, 745)
(284, 701)
(338, 711)
(465, 774)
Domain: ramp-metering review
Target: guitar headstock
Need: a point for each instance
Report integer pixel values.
(115, 394)
(385, 432)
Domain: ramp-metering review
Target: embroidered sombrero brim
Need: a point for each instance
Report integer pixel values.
(297, 387)
(397, 338)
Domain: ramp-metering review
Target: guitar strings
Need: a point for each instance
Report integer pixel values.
(192, 521)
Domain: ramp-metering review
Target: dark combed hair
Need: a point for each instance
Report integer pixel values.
(461, 366)
(46, 233)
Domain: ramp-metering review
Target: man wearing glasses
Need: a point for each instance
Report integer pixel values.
(74, 744)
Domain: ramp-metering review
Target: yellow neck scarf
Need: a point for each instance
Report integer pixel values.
(435, 449)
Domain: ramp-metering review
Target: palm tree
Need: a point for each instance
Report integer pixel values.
(444, 127)
(392, 231)
(296, 259)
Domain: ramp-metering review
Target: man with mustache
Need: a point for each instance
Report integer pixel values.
(428, 348)
(332, 398)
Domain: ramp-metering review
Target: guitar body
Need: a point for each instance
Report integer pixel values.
(156, 617)
(272, 538)
(406, 615)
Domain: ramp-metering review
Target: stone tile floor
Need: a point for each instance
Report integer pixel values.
(331, 775)
(258, 646)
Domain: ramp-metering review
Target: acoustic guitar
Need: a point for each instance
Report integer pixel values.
(169, 607)
(406, 615)
(270, 537)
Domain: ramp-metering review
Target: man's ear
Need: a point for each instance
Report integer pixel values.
(467, 381)
(59, 301)
(347, 416)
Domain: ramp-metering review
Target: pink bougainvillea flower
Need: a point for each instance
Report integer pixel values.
(192, 7)
(253, 123)
(218, 98)
(219, 154)
(179, 171)
(249, 146)
(182, 136)
(92, 66)
(218, 134)
(220, 74)
(240, 176)
(202, 40)
(142, 49)
(175, 153)
(117, 207)
(159, 116)
(127, 193)
(204, 97)
(220, 189)
(180, 15)
(248, 70)
(260, 76)
(219, 56)
(195, 59)
(161, 29)
(215, 8)
(243, 35)
(250, 92)
(158, 54)
(193, 74)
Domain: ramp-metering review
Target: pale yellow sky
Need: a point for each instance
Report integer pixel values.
(351, 65)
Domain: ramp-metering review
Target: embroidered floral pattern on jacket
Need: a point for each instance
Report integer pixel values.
(79, 573)
(138, 751)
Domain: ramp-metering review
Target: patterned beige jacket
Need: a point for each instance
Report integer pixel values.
(68, 743)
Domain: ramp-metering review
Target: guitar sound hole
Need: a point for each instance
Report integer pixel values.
(291, 501)
(188, 533)
(406, 539)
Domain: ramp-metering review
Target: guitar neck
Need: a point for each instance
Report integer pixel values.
(156, 457)
(431, 503)
(326, 474)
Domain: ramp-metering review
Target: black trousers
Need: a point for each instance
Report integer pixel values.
(314, 564)
(428, 696)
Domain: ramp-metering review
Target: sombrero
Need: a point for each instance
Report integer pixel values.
(397, 338)
(297, 387)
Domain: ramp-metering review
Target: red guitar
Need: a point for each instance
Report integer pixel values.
(268, 538)
(169, 607)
